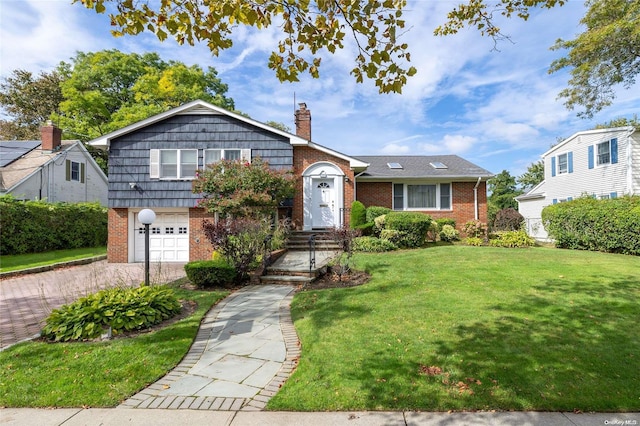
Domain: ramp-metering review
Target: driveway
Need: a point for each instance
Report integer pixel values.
(26, 300)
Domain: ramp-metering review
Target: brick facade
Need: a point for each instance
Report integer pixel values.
(199, 246)
(304, 157)
(381, 194)
(117, 247)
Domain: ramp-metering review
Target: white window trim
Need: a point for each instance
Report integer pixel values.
(405, 192)
(596, 159)
(245, 154)
(155, 165)
(566, 171)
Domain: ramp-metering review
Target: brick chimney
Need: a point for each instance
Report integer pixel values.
(303, 122)
(51, 137)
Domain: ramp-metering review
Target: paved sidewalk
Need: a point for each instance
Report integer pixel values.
(120, 416)
(27, 300)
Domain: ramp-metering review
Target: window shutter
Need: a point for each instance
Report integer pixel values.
(245, 155)
(570, 161)
(553, 166)
(154, 163)
(67, 170)
(613, 195)
(591, 157)
(614, 151)
(81, 172)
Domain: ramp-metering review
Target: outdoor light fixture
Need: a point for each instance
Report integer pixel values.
(323, 174)
(146, 217)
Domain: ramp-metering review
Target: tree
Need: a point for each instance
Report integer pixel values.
(29, 101)
(533, 176)
(605, 55)
(308, 29)
(503, 191)
(279, 126)
(243, 189)
(108, 90)
(620, 122)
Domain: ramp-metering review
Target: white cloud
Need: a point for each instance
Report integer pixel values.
(450, 144)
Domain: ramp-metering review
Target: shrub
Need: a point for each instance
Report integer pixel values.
(374, 212)
(412, 227)
(373, 245)
(121, 309)
(358, 214)
(241, 241)
(210, 273)
(475, 229)
(449, 233)
(508, 220)
(38, 226)
(391, 235)
(365, 229)
(473, 241)
(512, 239)
(378, 223)
(601, 225)
(445, 221)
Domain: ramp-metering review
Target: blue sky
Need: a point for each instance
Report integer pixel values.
(498, 109)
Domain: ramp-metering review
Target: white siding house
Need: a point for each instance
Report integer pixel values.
(54, 170)
(602, 163)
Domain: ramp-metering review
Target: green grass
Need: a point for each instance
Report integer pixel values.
(24, 261)
(100, 374)
(472, 328)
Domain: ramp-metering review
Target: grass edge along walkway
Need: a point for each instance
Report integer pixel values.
(472, 328)
(101, 373)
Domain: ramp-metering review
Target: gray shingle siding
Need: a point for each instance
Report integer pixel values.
(129, 156)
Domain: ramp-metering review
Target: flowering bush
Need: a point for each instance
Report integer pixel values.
(243, 189)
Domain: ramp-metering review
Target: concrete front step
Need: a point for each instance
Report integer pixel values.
(285, 279)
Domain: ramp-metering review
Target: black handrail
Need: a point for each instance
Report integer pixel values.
(312, 252)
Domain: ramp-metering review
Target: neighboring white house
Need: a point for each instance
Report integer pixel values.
(603, 163)
(52, 169)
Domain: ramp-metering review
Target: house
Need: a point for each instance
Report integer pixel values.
(152, 164)
(602, 163)
(52, 169)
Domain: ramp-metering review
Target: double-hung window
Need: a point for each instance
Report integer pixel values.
(604, 153)
(563, 164)
(173, 163)
(74, 171)
(214, 155)
(422, 196)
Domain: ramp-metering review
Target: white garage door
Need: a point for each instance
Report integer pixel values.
(168, 238)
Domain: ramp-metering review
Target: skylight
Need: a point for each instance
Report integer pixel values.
(394, 165)
(438, 165)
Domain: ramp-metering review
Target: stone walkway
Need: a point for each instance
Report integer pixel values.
(245, 349)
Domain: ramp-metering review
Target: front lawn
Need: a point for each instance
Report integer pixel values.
(472, 328)
(17, 262)
(98, 374)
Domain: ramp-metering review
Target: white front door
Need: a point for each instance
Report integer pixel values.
(323, 203)
(168, 238)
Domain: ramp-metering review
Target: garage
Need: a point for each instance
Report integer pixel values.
(168, 238)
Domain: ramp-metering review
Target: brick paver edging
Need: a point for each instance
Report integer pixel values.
(147, 398)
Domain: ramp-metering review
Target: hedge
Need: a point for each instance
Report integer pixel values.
(411, 227)
(611, 226)
(38, 226)
(210, 273)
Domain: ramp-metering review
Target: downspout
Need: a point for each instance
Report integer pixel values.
(475, 198)
(629, 159)
(354, 184)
